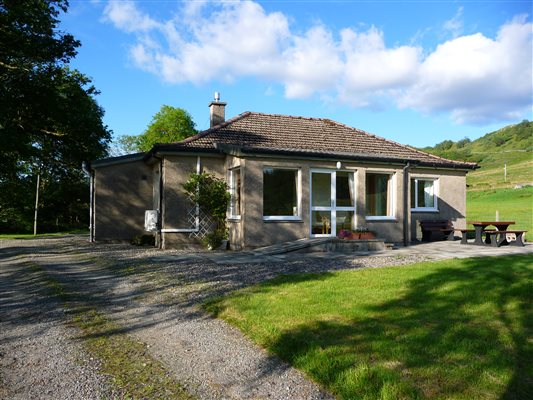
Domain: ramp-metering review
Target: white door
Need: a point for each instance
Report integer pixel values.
(332, 202)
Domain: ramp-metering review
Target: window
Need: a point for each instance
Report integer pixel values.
(423, 195)
(281, 197)
(235, 191)
(379, 199)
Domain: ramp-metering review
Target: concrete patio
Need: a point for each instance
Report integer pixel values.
(434, 250)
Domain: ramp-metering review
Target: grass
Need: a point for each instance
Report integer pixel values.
(6, 236)
(491, 174)
(132, 371)
(457, 329)
(511, 204)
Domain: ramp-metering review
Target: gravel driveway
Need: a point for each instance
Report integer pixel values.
(155, 297)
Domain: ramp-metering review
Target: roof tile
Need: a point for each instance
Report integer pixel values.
(271, 133)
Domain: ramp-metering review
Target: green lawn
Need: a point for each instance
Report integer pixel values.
(512, 204)
(41, 235)
(457, 329)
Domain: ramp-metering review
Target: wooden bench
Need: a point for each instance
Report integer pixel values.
(464, 232)
(443, 226)
(493, 239)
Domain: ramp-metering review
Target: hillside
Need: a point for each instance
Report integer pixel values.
(508, 149)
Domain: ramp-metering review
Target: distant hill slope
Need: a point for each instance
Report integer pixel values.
(508, 149)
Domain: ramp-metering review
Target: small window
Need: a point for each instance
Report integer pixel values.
(235, 191)
(423, 195)
(379, 200)
(281, 194)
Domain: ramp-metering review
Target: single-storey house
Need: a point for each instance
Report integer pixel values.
(289, 177)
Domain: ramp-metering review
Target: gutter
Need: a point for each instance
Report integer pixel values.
(313, 155)
(406, 210)
(86, 167)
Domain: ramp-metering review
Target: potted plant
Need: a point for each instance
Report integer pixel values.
(345, 234)
(363, 233)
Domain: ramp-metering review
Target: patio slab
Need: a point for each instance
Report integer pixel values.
(433, 250)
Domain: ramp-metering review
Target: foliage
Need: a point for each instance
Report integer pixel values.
(49, 119)
(168, 125)
(509, 148)
(450, 329)
(510, 138)
(212, 196)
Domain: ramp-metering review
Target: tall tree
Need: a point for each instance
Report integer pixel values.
(169, 125)
(49, 119)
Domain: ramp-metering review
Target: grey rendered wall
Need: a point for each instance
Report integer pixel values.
(257, 233)
(122, 193)
(451, 197)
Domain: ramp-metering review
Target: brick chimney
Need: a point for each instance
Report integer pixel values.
(217, 111)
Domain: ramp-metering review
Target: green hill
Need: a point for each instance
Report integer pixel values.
(505, 156)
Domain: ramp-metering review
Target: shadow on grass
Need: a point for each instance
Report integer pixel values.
(460, 330)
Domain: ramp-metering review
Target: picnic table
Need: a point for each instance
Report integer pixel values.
(501, 228)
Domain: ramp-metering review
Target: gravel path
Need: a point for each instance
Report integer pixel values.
(39, 355)
(155, 297)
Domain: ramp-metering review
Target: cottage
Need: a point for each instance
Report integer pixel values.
(290, 178)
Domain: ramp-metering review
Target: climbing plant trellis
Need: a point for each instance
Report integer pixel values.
(200, 222)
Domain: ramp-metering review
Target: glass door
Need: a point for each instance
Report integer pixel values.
(332, 202)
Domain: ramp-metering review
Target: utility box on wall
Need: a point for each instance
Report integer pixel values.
(151, 220)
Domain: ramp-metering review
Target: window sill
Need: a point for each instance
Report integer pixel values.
(282, 219)
(236, 218)
(381, 219)
(424, 210)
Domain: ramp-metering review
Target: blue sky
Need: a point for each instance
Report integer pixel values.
(417, 72)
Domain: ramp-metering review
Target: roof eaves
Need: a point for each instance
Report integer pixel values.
(104, 162)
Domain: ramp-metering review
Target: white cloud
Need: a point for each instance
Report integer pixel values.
(474, 78)
(125, 16)
(455, 25)
(311, 64)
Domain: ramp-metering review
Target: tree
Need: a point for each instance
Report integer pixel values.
(169, 125)
(49, 119)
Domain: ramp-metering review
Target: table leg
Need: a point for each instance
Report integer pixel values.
(479, 235)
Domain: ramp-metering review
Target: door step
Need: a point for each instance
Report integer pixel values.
(329, 244)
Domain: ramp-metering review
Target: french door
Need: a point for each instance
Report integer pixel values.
(332, 202)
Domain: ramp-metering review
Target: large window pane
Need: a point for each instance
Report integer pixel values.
(423, 193)
(344, 221)
(321, 222)
(378, 199)
(321, 184)
(280, 192)
(345, 190)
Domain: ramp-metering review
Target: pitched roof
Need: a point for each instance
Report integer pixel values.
(269, 133)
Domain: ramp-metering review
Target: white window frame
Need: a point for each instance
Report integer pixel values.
(435, 194)
(297, 217)
(332, 208)
(232, 191)
(391, 189)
